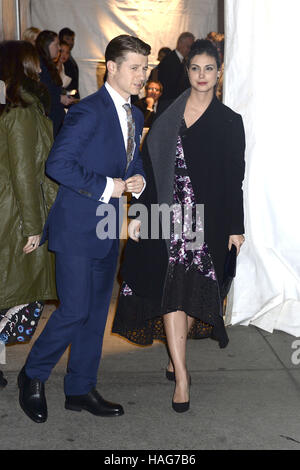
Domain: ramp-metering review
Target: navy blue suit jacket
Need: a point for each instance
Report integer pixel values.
(89, 147)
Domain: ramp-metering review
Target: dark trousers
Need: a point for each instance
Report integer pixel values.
(84, 289)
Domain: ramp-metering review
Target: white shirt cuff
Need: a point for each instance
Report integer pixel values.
(137, 195)
(108, 190)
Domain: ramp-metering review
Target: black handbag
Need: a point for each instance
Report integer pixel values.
(229, 271)
(18, 324)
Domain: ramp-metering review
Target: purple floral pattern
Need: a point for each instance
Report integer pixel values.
(183, 196)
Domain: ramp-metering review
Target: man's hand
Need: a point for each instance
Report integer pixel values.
(236, 240)
(150, 103)
(134, 184)
(119, 187)
(134, 228)
(32, 244)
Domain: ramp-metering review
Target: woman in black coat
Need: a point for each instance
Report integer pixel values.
(193, 158)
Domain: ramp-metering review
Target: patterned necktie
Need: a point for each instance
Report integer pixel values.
(131, 134)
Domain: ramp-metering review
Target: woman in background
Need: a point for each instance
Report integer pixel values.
(63, 57)
(30, 35)
(26, 270)
(47, 45)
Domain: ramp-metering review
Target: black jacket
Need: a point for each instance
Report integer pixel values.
(172, 75)
(71, 69)
(214, 153)
(148, 115)
(57, 111)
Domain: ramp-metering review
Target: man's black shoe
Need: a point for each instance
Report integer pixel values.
(94, 403)
(32, 397)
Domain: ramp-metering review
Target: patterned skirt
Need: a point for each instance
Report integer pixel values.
(190, 286)
(18, 324)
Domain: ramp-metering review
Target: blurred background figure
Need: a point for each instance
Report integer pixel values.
(163, 51)
(71, 67)
(62, 59)
(148, 104)
(30, 35)
(47, 45)
(26, 196)
(172, 71)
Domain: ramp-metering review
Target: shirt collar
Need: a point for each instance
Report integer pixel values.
(180, 56)
(115, 96)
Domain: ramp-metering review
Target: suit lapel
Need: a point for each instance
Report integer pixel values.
(137, 128)
(115, 127)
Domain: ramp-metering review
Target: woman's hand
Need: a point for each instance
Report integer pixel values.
(66, 100)
(236, 240)
(32, 244)
(134, 228)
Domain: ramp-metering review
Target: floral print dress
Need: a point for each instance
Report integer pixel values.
(191, 284)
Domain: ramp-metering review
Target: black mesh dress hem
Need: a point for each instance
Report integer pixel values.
(146, 322)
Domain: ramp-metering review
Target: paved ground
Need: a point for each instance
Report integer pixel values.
(244, 397)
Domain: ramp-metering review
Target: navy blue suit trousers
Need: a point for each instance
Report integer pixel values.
(84, 289)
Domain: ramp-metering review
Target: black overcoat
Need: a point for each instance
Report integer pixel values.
(173, 76)
(214, 153)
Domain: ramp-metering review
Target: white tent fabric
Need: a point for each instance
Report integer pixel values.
(261, 80)
(96, 22)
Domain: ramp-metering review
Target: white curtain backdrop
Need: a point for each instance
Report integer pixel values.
(261, 82)
(96, 22)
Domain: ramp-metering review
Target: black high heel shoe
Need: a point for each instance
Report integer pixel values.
(171, 376)
(181, 407)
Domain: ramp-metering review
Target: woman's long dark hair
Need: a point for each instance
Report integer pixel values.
(43, 41)
(19, 70)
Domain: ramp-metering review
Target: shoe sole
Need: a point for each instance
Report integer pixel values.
(33, 418)
(80, 408)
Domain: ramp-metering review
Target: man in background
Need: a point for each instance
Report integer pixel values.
(148, 104)
(171, 70)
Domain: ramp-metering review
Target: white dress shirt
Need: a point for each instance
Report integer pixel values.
(66, 80)
(180, 56)
(119, 101)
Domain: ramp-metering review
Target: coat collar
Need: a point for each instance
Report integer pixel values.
(30, 98)
(108, 101)
(162, 142)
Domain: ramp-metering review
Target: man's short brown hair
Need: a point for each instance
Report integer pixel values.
(120, 45)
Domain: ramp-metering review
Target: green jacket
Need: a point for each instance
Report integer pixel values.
(26, 196)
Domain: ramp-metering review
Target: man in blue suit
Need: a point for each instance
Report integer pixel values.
(95, 158)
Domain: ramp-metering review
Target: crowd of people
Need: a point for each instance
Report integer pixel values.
(66, 163)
